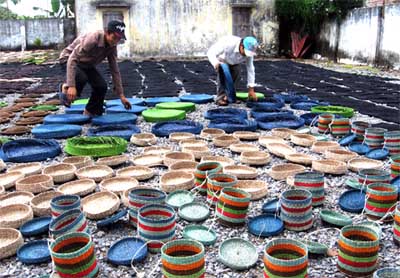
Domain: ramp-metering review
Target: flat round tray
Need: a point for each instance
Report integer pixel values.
(335, 218)
(271, 206)
(34, 252)
(237, 253)
(352, 201)
(179, 198)
(265, 225)
(36, 226)
(112, 219)
(200, 233)
(194, 212)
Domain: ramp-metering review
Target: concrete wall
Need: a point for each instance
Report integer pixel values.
(176, 27)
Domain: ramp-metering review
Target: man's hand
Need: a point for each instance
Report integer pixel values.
(126, 103)
(71, 94)
(252, 95)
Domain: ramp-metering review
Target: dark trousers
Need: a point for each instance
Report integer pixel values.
(235, 72)
(87, 74)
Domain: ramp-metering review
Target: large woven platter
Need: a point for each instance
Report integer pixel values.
(100, 205)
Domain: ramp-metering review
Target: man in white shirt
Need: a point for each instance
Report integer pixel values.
(233, 50)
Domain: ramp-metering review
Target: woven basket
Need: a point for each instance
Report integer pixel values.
(10, 241)
(381, 199)
(330, 166)
(41, 203)
(300, 158)
(372, 176)
(179, 136)
(138, 172)
(95, 172)
(144, 139)
(360, 163)
(113, 161)
(64, 203)
(282, 132)
(183, 258)
(241, 171)
(255, 158)
(188, 166)
(140, 197)
(79, 161)
(305, 140)
(296, 209)
(157, 150)
(176, 180)
(198, 152)
(16, 197)
(282, 171)
(285, 258)
(210, 133)
(358, 250)
(396, 226)
(246, 135)
(148, 160)
(280, 150)
(202, 171)
(118, 185)
(223, 160)
(100, 205)
(13, 216)
(8, 180)
(75, 250)
(224, 141)
(232, 207)
(216, 182)
(340, 154)
(69, 222)
(264, 140)
(27, 169)
(313, 182)
(80, 187)
(156, 222)
(322, 146)
(241, 147)
(35, 184)
(172, 157)
(60, 173)
(256, 188)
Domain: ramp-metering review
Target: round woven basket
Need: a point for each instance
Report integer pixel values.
(172, 157)
(305, 140)
(41, 203)
(241, 147)
(216, 182)
(69, 222)
(179, 136)
(246, 135)
(100, 205)
(8, 180)
(340, 154)
(113, 161)
(296, 209)
(360, 163)
(176, 180)
(148, 160)
(330, 166)
(157, 150)
(232, 207)
(10, 241)
(313, 182)
(144, 139)
(64, 203)
(80, 187)
(198, 152)
(35, 184)
(138, 172)
(381, 199)
(322, 146)
(285, 258)
(28, 169)
(183, 258)
(241, 171)
(202, 171)
(300, 158)
(16, 197)
(282, 171)
(223, 160)
(188, 166)
(13, 216)
(118, 185)
(79, 161)
(264, 140)
(192, 143)
(225, 140)
(256, 188)
(95, 172)
(283, 132)
(255, 158)
(280, 150)
(60, 173)
(210, 133)
(396, 226)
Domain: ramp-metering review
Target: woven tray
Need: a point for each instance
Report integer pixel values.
(27, 169)
(157, 150)
(35, 183)
(267, 139)
(322, 146)
(144, 139)
(79, 161)
(280, 150)
(305, 140)
(246, 135)
(240, 147)
(10, 241)
(41, 203)
(8, 180)
(80, 187)
(241, 171)
(113, 161)
(148, 160)
(188, 166)
(361, 163)
(176, 180)
(257, 188)
(237, 253)
(330, 166)
(100, 205)
(283, 132)
(95, 172)
(138, 172)
(16, 197)
(223, 160)
(60, 173)
(255, 158)
(210, 133)
(282, 171)
(179, 136)
(172, 157)
(225, 140)
(13, 216)
(118, 185)
(300, 158)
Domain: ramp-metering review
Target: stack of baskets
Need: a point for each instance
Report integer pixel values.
(313, 182)
(296, 209)
(202, 170)
(232, 206)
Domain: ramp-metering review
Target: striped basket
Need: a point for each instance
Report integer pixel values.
(324, 121)
(358, 128)
(396, 226)
(285, 258)
(313, 182)
(70, 221)
(340, 127)
(392, 141)
(73, 255)
(296, 209)
(202, 170)
(395, 166)
(216, 182)
(183, 258)
(232, 206)
(143, 196)
(156, 222)
(358, 250)
(381, 198)
(374, 137)
(368, 176)
(64, 203)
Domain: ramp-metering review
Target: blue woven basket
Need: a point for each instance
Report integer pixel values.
(36, 226)
(30, 150)
(34, 252)
(222, 113)
(132, 101)
(127, 250)
(286, 121)
(164, 129)
(197, 98)
(115, 119)
(153, 101)
(66, 119)
(123, 131)
(56, 131)
(265, 225)
(233, 124)
(135, 109)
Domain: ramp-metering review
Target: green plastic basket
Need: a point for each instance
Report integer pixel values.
(44, 107)
(347, 112)
(185, 106)
(96, 146)
(244, 95)
(155, 115)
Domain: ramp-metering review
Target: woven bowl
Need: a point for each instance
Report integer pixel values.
(268, 139)
(223, 160)
(198, 152)
(255, 158)
(27, 169)
(13, 216)
(118, 185)
(322, 146)
(172, 157)
(60, 173)
(211, 133)
(241, 147)
(113, 161)
(95, 172)
(35, 184)
(138, 172)
(192, 143)
(188, 166)
(144, 139)
(176, 180)
(8, 180)
(41, 203)
(246, 135)
(340, 154)
(80, 187)
(330, 166)
(300, 158)
(100, 205)
(16, 197)
(148, 160)
(361, 163)
(79, 161)
(280, 150)
(225, 140)
(241, 171)
(179, 136)
(305, 140)
(257, 188)
(282, 171)
(283, 132)
(157, 150)
(10, 241)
